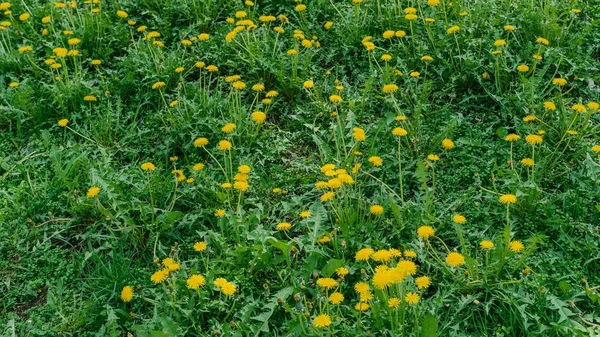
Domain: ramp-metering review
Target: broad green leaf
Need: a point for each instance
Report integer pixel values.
(331, 266)
(429, 326)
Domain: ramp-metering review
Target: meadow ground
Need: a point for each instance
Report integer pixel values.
(310, 168)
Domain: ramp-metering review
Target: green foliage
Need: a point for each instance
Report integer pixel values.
(380, 157)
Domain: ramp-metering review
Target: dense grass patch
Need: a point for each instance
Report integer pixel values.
(317, 168)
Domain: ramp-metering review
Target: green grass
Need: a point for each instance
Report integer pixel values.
(65, 257)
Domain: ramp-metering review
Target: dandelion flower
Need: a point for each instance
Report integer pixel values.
(533, 139)
(200, 246)
(228, 128)
(410, 254)
(390, 88)
(400, 132)
(549, 106)
(455, 259)
(412, 298)
(300, 8)
(335, 99)
(358, 134)
(523, 68)
(323, 320)
(559, 81)
(388, 34)
(127, 294)
(93, 192)
(160, 276)
(304, 214)
(516, 246)
(224, 145)
(447, 144)
(341, 272)
(486, 244)
(364, 254)
(433, 157)
(376, 209)
(593, 106)
(542, 41)
(336, 298)
(596, 149)
(327, 196)
(158, 84)
(148, 166)
(200, 142)
(508, 199)
(196, 281)
(376, 161)
(423, 282)
(228, 289)
(425, 232)
(453, 29)
(361, 306)
(63, 122)
(382, 255)
(284, 226)
(579, 108)
(324, 239)
(527, 162)
(241, 186)
(327, 283)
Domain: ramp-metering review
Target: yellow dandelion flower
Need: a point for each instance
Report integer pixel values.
(412, 298)
(376, 161)
(390, 88)
(393, 302)
(358, 134)
(224, 145)
(453, 29)
(376, 209)
(127, 294)
(327, 196)
(533, 139)
(361, 306)
(516, 246)
(455, 259)
(423, 282)
(200, 246)
(93, 192)
(559, 82)
(284, 226)
(508, 199)
(486, 244)
(323, 320)
(527, 162)
(336, 298)
(364, 254)
(425, 232)
(196, 281)
(160, 276)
